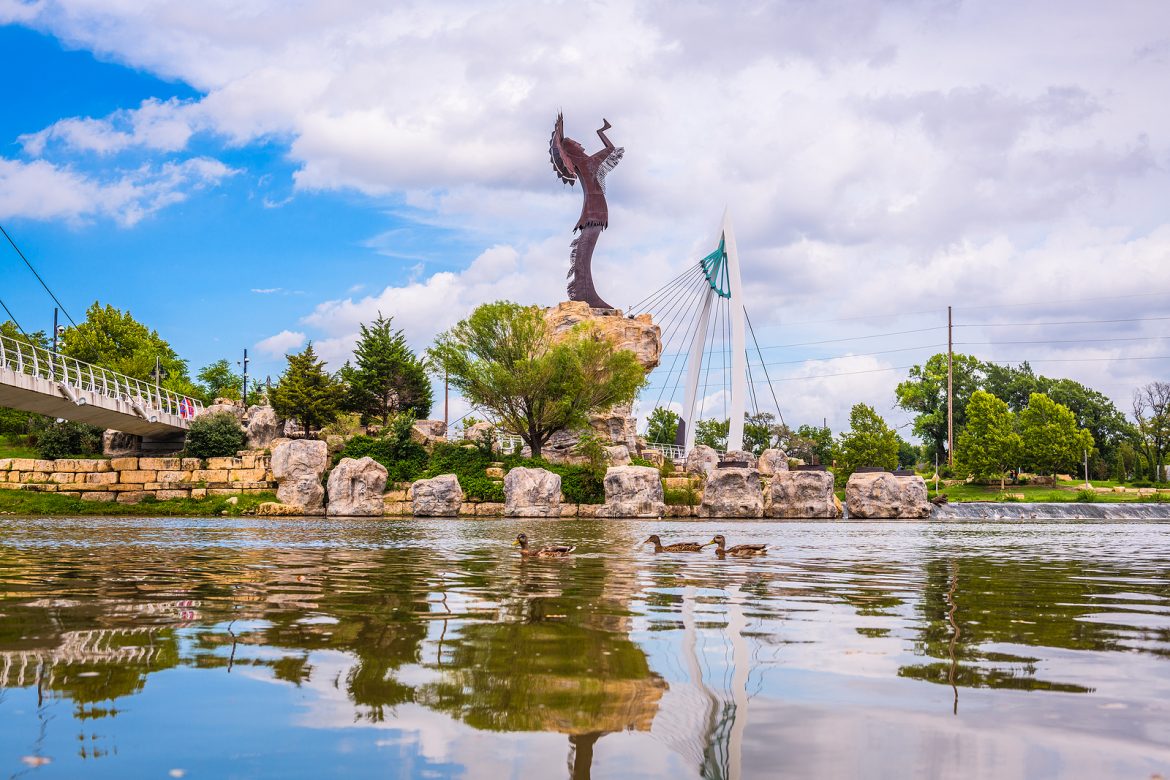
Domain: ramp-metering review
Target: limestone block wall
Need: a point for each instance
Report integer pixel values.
(129, 480)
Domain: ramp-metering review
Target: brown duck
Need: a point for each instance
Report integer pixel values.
(557, 551)
(676, 547)
(739, 551)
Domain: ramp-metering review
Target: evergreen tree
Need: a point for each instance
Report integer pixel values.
(387, 377)
(989, 444)
(1051, 438)
(868, 442)
(306, 392)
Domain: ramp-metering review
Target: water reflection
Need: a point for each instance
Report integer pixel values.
(329, 646)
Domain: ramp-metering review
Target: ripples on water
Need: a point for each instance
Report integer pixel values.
(214, 648)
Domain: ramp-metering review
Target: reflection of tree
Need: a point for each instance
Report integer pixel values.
(557, 661)
(1006, 602)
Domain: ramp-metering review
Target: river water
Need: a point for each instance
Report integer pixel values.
(429, 649)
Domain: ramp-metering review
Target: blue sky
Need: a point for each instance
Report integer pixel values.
(258, 176)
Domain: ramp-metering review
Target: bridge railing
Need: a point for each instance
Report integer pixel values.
(31, 360)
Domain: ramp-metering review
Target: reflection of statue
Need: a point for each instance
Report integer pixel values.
(572, 163)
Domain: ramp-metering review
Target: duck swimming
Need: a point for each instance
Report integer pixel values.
(739, 550)
(676, 547)
(557, 551)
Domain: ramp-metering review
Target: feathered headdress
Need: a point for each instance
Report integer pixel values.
(556, 153)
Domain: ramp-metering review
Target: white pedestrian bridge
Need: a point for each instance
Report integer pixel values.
(34, 379)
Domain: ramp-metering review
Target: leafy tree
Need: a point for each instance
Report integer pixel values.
(989, 445)
(760, 432)
(387, 377)
(868, 442)
(219, 381)
(909, 454)
(662, 426)
(1051, 438)
(812, 444)
(113, 339)
(1095, 413)
(1151, 409)
(1011, 384)
(503, 358)
(925, 393)
(306, 392)
(712, 433)
(218, 435)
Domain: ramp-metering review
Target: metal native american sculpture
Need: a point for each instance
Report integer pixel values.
(571, 163)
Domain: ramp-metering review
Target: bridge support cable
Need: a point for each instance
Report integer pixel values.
(38, 276)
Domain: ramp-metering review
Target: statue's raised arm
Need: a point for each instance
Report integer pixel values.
(572, 164)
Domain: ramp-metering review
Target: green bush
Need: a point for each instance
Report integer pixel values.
(1141, 483)
(456, 459)
(218, 435)
(68, 439)
(480, 488)
(404, 461)
(1160, 498)
(579, 484)
(1086, 496)
(687, 496)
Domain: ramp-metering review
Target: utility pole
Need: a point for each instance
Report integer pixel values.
(446, 398)
(245, 366)
(1087, 483)
(950, 391)
(54, 329)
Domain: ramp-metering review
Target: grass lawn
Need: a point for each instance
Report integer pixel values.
(28, 502)
(16, 451)
(1039, 493)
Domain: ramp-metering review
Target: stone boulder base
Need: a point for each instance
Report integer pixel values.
(772, 461)
(701, 460)
(297, 467)
(263, 427)
(532, 493)
(428, 432)
(438, 497)
(632, 491)
(732, 492)
(882, 495)
(223, 405)
(803, 494)
(741, 456)
(617, 455)
(356, 487)
(475, 433)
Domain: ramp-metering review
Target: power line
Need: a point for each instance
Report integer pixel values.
(1064, 322)
(38, 276)
(1058, 341)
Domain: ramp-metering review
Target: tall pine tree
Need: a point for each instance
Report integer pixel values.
(306, 392)
(387, 377)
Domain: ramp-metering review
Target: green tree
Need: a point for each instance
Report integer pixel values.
(306, 392)
(1151, 409)
(909, 455)
(387, 377)
(218, 435)
(1051, 438)
(712, 433)
(503, 358)
(925, 393)
(989, 445)
(113, 339)
(14, 422)
(868, 442)
(662, 426)
(1011, 384)
(219, 381)
(1095, 413)
(760, 432)
(812, 444)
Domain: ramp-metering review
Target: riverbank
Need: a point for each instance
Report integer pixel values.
(37, 504)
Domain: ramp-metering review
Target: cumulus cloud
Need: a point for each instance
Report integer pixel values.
(282, 343)
(42, 190)
(877, 157)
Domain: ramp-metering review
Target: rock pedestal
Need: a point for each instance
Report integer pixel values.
(428, 432)
(772, 461)
(741, 456)
(263, 427)
(803, 494)
(297, 467)
(438, 497)
(532, 493)
(732, 492)
(701, 460)
(617, 455)
(356, 487)
(882, 495)
(632, 491)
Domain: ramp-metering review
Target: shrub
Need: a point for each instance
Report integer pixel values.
(687, 496)
(68, 439)
(1086, 496)
(218, 435)
(458, 460)
(480, 488)
(404, 461)
(579, 484)
(1160, 498)
(1141, 483)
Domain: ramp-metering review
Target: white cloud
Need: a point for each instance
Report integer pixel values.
(42, 190)
(280, 344)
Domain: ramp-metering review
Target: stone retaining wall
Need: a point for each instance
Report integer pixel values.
(129, 480)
